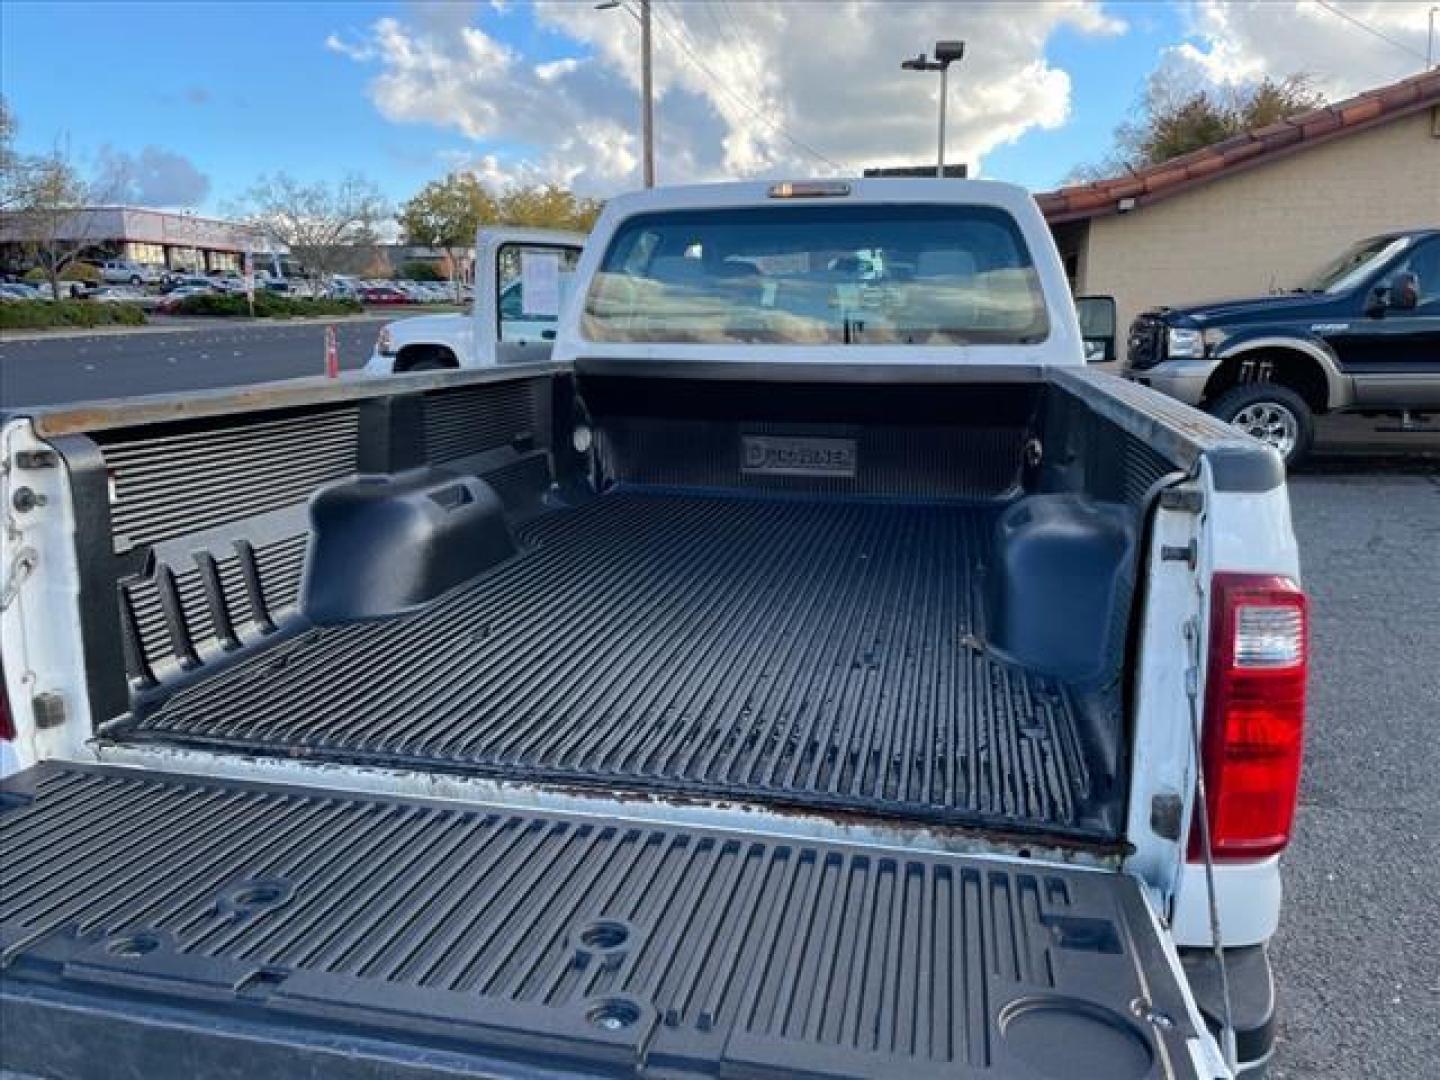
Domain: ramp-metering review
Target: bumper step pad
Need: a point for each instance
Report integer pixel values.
(164, 925)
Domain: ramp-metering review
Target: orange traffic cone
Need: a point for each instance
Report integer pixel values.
(332, 354)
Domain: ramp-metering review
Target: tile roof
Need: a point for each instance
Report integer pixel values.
(1243, 151)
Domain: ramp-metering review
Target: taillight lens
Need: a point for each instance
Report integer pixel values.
(1254, 714)
(7, 722)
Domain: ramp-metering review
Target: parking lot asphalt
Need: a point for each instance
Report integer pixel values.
(52, 370)
(1356, 959)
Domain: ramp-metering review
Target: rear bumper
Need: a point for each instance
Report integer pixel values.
(1252, 999)
(1183, 379)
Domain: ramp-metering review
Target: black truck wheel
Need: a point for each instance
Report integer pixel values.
(1274, 414)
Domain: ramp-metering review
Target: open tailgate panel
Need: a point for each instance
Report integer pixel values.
(166, 925)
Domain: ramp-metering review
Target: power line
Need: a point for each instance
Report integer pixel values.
(1370, 29)
(743, 103)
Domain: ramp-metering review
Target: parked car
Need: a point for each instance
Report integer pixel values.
(17, 290)
(343, 287)
(125, 294)
(1361, 335)
(189, 281)
(774, 677)
(172, 299)
(233, 284)
(124, 272)
(383, 294)
(69, 289)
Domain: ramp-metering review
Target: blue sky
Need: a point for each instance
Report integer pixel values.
(405, 92)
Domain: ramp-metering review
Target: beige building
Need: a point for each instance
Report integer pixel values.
(1258, 212)
(175, 241)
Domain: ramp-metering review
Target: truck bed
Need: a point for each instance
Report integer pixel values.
(807, 651)
(173, 926)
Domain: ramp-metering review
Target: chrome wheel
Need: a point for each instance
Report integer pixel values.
(1271, 423)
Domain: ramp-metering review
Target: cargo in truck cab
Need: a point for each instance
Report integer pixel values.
(799, 664)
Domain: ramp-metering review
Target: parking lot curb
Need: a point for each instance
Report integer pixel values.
(8, 336)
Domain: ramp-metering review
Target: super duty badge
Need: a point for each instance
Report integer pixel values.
(797, 455)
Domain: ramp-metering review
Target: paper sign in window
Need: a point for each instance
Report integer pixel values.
(540, 283)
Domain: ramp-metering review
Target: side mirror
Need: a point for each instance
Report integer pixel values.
(1097, 327)
(1405, 292)
(1400, 293)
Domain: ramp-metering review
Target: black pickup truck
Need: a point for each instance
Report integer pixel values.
(1362, 335)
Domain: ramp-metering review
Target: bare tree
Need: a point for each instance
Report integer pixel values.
(330, 228)
(12, 181)
(1179, 111)
(50, 217)
(43, 205)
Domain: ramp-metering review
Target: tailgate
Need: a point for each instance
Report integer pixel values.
(166, 925)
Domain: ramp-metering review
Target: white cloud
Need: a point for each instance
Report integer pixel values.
(549, 72)
(354, 50)
(1244, 42)
(153, 177)
(742, 89)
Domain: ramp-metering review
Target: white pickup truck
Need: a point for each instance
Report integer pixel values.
(532, 272)
(802, 665)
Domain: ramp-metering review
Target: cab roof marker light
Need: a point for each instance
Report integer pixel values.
(809, 189)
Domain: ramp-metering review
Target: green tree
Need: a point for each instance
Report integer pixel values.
(446, 214)
(548, 207)
(1179, 112)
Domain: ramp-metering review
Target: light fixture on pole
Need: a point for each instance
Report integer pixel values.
(647, 93)
(946, 53)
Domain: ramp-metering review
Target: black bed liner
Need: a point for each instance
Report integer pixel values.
(161, 925)
(801, 651)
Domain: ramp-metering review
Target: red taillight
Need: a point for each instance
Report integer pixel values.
(1254, 714)
(7, 722)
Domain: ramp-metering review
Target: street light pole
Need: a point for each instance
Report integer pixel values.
(940, 154)
(1430, 37)
(946, 53)
(647, 87)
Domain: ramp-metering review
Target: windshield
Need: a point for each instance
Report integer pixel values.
(863, 275)
(1353, 265)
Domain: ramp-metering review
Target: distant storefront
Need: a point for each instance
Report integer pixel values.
(180, 242)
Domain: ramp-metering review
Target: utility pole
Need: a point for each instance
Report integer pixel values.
(946, 53)
(647, 85)
(1430, 38)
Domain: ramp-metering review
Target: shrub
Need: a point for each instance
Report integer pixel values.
(73, 272)
(41, 314)
(268, 305)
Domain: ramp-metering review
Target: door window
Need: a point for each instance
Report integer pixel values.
(532, 285)
(1424, 263)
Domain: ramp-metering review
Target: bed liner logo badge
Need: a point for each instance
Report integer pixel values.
(797, 455)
